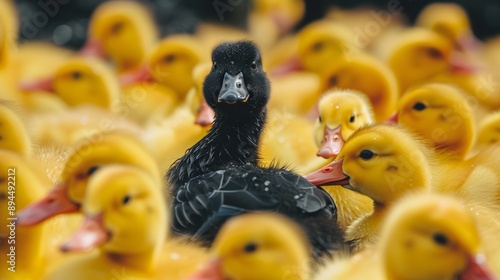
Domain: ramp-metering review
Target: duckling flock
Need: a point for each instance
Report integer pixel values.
(258, 154)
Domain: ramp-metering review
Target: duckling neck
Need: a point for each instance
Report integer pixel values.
(232, 141)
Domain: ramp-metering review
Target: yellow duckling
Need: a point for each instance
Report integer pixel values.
(93, 153)
(368, 75)
(123, 31)
(383, 162)
(275, 250)
(439, 113)
(489, 131)
(425, 236)
(451, 21)
(22, 249)
(9, 27)
(13, 133)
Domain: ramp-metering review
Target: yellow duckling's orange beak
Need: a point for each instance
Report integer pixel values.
(46, 84)
(56, 202)
(143, 74)
(211, 271)
(92, 48)
(332, 143)
(205, 116)
(476, 270)
(468, 42)
(287, 67)
(393, 119)
(331, 174)
(91, 234)
(460, 64)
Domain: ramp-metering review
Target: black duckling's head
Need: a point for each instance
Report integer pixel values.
(236, 85)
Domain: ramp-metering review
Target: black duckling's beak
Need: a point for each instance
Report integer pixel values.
(233, 89)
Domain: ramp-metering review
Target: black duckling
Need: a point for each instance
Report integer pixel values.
(219, 176)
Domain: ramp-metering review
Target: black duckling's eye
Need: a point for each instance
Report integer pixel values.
(250, 247)
(366, 154)
(419, 106)
(440, 239)
(434, 53)
(169, 58)
(318, 46)
(117, 27)
(352, 118)
(214, 65)
(254, 65)
(76, 75)
(92, 169)
(126, 199)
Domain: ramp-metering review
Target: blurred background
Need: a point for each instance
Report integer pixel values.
(64, 22)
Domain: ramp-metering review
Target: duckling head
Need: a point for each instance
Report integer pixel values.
(432, 236)
(275, 250)
(125, 214)
(367, 75)
(341, 112)
(171, 63)
(236, 86)
(123, 31)
(380, 161)
(13, 133)
(439, 113)
(489, 130)
(421, 54)
(80, 81)
(449, 20)
(88, 158)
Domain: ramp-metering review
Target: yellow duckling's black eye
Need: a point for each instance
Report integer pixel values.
(333, 80)
(352, 118)
(254, 65)
(92, 169)
(3, 196)
(76, 75)
(320, 119)
(419, 106)
(126, 199)
(250, 247)
(366, 154)
(318, 46)
(117, 27)
(169, 58)
(434, 53)
(440, 239)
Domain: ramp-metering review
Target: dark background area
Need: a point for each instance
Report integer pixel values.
(66, 22)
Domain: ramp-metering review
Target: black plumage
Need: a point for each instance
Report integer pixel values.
(219, 176)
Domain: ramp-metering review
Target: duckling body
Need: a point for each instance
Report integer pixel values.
(238, 91)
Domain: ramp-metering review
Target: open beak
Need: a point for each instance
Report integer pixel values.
(211, 271)
(292, 65)
(92, 48)
(331, 174)
(476, 270)
(141, 75)
(90, 235)
(233, 89)
(205, 116)
(332, 143)
(56, 202)
(46, 84)
(393, 118)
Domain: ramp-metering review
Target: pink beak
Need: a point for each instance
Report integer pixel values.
(460, 64)
(332, 143)
(287, 67)
(211, 271)
(393, 118)
(468, 42)
(92, 48)
(141, 75)
(331, 174)
(477, 270)
(46, 84)
(56, 202)
(205, 115)
(90, 235)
